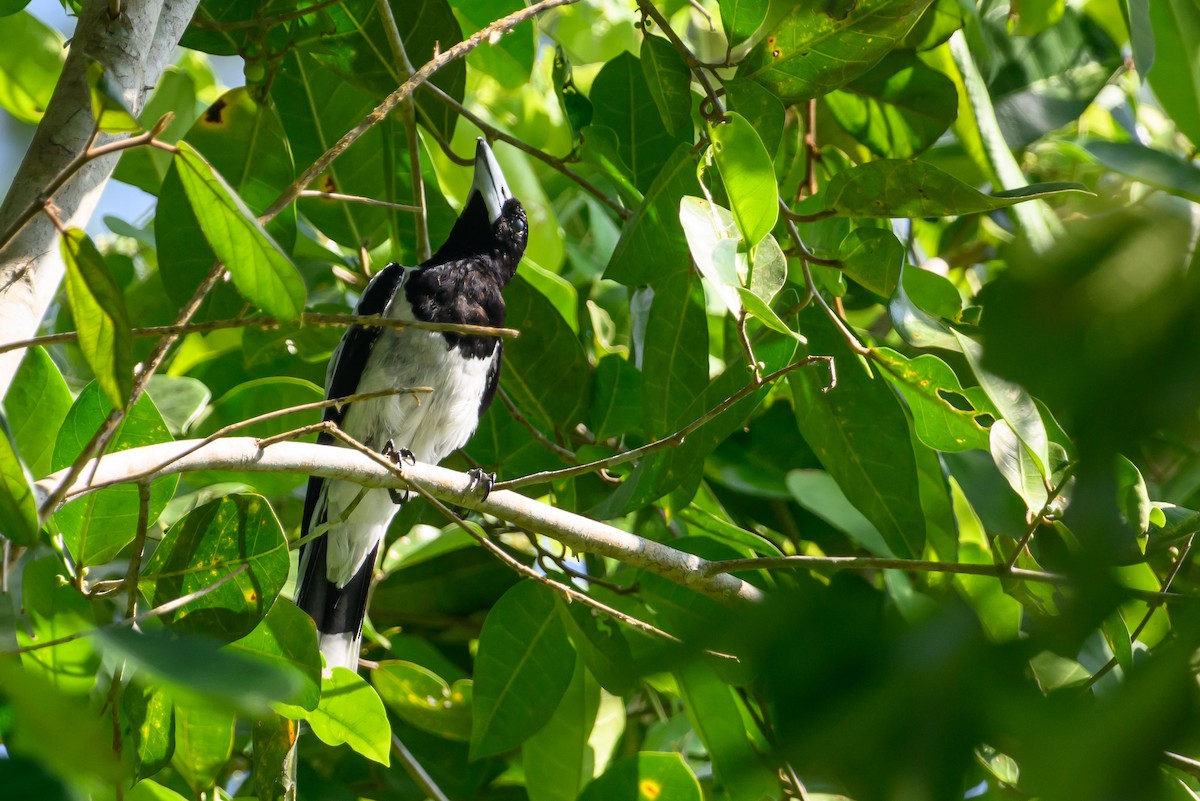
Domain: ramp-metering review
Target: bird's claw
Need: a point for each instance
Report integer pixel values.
(481, 479)
(397, 456)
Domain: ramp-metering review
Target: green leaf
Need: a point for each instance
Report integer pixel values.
(1037, 15)
(179, 398)
(741, 18)
(421, 697)
(558, 760)
(522, 669)
(35, 713)
(18, 507)
(249, 149)
(873, 257)
(316, 107)
(1154, 167)
(1013, 402)
(287, 638)
(623, 102)
(860, 434)
(713, 240)
(544, 366)
(509, 58)
(760, 106)
(1018, 466)
(674, 363)
(196, 667)
(575, 105)
(616, 407)
(273, 741)
(652, 247)
(357, 51)
(947, 417)
(351, 713)
(28, 73)
(146, 167)
(56, 609)
(814, 50)
(748, 174)
(670, 83)
(203, 744)
(97, 526)
(148, 721)
(999, 612)
(603, 647)
(893, 188)
(1041, 83)
(1141, 34)
(236, 533)
(99, 310)
(645, 776)
(819, 493)
(899, 108)
(262, 272)
(147, 790)
(941, 19)
(717, 716)
(37, 403)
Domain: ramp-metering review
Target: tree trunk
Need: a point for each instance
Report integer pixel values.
(134, 48)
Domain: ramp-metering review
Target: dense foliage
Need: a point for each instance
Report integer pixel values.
(978, 216)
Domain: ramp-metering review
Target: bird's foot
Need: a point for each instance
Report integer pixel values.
(480, 479)
(397, 456)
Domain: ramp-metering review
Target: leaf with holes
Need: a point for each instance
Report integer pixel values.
(947, 417)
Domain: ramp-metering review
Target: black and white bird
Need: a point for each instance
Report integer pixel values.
(461, 283)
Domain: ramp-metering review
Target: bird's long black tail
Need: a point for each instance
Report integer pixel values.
(337, 611)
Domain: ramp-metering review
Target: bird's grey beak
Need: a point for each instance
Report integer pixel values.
(489, 180)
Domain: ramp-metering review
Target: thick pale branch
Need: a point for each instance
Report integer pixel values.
(576, 532)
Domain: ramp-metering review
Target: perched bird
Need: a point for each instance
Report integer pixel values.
(461, 283)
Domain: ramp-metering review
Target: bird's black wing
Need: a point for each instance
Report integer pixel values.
(345, 369)
(493, 379)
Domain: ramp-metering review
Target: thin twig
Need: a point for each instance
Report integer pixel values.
(366, 201)
(1051, 497)
(495, 133)
(408, 116)
(136, 620)
(267, 323)
(89, 153)
(139, 543)
(416, 771)
(669, 441)
(384, 109)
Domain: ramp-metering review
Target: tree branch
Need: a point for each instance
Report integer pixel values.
(243, 453)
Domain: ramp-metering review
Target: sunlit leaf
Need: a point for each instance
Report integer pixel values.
(818, 48)
(99, 310)
(748, 175)
(350, 712)
(261, 270)
(37, 403)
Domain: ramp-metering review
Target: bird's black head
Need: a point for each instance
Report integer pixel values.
(492, 225)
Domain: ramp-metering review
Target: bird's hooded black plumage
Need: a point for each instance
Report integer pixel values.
(461, 283)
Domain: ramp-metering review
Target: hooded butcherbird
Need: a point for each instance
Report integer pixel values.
(461, 283)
